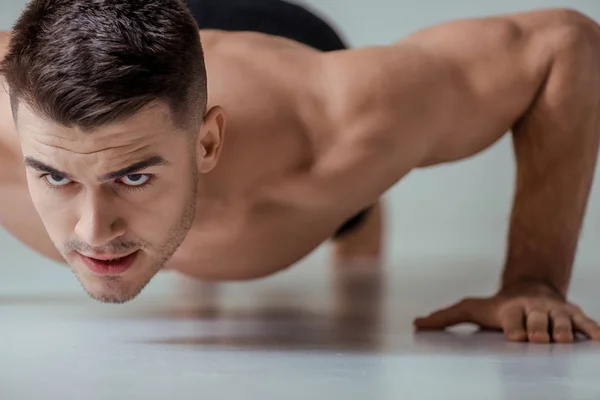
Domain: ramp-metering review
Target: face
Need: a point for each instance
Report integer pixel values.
(117, 202)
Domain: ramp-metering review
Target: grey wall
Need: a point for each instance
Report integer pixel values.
(382, 21)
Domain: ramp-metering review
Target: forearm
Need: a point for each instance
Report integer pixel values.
(556, 146)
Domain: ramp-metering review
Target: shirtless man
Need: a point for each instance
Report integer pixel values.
(116, 152)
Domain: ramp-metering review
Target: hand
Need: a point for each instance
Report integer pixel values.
(526, 312)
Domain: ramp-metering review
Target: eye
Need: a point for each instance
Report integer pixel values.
(56, 180)
(135, 179)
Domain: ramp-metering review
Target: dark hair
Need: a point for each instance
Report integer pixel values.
(87, 63)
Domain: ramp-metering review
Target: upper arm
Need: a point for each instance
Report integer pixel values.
(439, 95)
(438, 80)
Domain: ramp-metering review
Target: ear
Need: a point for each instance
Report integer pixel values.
(210, 139)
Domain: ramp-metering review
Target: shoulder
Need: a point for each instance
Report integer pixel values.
(256, 66)
(266, 83)
(8, 143)
(276, 57)
(4, 39)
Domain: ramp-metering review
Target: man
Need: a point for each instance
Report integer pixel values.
(133, 164)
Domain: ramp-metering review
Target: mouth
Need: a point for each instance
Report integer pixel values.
(113, 266)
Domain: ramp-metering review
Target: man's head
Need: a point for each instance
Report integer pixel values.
(109, 99)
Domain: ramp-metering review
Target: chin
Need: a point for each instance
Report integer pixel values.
(113, 289)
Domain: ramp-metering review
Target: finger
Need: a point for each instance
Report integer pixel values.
(562, 327)
(513, 324)
(586, 326)
(453, 315)
(537, 326)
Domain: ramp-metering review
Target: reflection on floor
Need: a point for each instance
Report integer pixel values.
(294, 337)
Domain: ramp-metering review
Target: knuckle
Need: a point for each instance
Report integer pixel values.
(534, 304)
(559, 315)
(536, 324)
(561, 330)
(575, 309)
(579, 319)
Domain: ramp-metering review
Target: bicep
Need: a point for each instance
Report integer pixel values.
(439, 76)
(439, 95)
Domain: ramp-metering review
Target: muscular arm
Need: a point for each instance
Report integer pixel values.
(448, 92)
(440, 95)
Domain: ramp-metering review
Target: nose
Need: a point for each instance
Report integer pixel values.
(98, 223)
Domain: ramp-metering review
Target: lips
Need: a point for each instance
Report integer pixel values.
(109, 266)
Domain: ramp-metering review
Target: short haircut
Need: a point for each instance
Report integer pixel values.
(88, 63)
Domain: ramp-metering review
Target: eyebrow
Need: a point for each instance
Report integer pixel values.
(152, 161)
(40, 166)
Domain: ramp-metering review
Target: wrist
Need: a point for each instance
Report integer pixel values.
(531, 286)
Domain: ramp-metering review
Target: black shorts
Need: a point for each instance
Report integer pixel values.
(274, 17)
